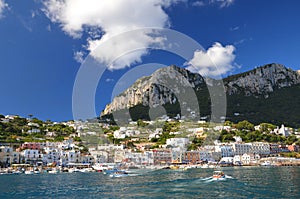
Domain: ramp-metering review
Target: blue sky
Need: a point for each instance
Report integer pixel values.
(39, 44)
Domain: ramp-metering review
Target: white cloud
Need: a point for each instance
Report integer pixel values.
(79, 56)
(109, 80)
(3, 5)
(222, 3)
(198, 3)
(234, 28)
(214, 62)
(112, 17)
(49, 28)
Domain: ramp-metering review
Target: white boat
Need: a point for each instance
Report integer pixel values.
(85, 170)
(118, 174)
(218, 175)
(100, 167)
(36, 172)
(53, 171)
(266, 163)
(73, 170)
(205, 166)
(29, 172)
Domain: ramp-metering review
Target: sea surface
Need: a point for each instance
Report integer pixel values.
(240, 182)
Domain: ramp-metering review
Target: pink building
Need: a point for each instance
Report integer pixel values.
(31, 145)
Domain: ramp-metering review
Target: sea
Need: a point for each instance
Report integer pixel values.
(240, 182)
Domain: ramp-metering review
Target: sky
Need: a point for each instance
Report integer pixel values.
(44, 44)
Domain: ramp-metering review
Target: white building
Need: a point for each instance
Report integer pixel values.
(32, 156)
(8, 156)
(51, 156)
(241, 148)
(181, 143)
(99, 156)
(237, 160)
(283, 131)
(261, 148)
(72, 156)
(226, 150)
(248, 159)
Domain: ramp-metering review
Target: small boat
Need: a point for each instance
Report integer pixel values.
(36, 172)
(218, 174)
(53, 171)
(266, 163)
(118, 174)
(73, 170)
(29, 172)
(85, 170)
(174, 167)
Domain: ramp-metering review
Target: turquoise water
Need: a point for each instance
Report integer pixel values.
(241, 182)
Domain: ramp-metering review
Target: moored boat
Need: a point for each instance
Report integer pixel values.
(29, 172)
(266, 163)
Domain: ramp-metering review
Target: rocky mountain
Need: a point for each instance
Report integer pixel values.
(262, 80)
(248, 93)
(162, 87)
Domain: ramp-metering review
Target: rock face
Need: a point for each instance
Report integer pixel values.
(167, 84)
(162, 87)
(262, 80)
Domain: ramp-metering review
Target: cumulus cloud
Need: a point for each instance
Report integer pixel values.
(214, 62)
(3, 5)
(110, 18)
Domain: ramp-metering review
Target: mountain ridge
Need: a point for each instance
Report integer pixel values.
(153, 91)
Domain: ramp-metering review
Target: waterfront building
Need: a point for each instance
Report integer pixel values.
(248, 159)
(241, 148)
(237, 160)
(162, 156)
(274, 148)
(71, 156)
(99, 156)
(51, 156)
(32, 156)
(226, 150)
(119, 156)
(261, 148)
(8, 156)
(192, 156)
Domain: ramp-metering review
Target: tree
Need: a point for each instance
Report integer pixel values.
(291, 139)
(267, 127)
(141, 123)
(196, 143)
(245, 125)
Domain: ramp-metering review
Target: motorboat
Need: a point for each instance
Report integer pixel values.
(218, 174)
(118, 174)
